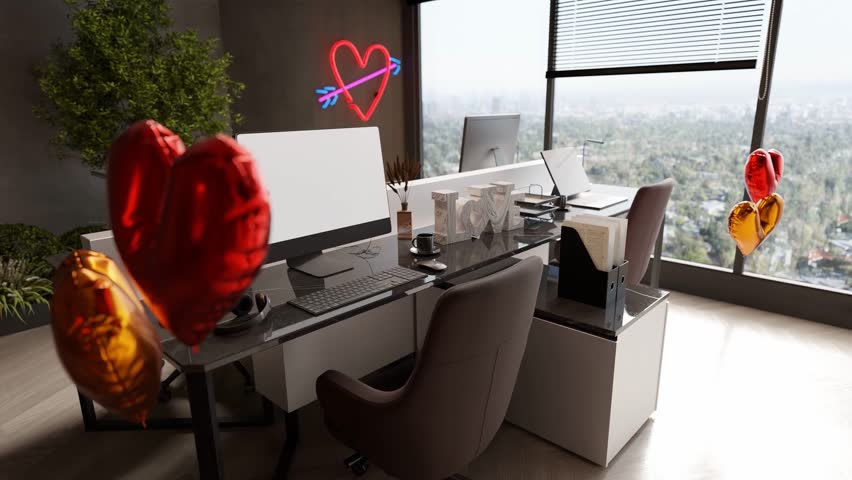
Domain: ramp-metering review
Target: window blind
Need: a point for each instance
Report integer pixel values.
(611, 37)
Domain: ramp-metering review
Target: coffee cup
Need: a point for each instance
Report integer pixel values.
(424, 242)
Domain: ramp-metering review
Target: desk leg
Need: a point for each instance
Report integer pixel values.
(291, 425)
(658, 257)
(87, 408)
(205, 425)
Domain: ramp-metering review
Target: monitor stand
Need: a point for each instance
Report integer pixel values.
(561, 202)
(494, 152)
(321, 265)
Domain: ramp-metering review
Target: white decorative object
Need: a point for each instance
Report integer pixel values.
(491, 208)
(446, 230)
(506, 195)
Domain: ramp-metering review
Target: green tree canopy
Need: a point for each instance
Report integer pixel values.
(125, 64)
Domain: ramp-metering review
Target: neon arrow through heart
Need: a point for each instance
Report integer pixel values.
(331, 94)
(328, 95)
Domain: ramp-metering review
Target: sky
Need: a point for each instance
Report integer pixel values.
(494, 47)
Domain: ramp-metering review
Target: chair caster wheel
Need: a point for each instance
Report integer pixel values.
(360, 467)
(357, 463)
(352, 460)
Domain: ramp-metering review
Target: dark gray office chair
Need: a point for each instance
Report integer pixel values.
(643, 224)
(454, 402)
(644, 219)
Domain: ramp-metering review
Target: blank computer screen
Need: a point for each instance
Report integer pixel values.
(320, 180)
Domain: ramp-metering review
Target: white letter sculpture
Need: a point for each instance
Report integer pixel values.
(492, 208)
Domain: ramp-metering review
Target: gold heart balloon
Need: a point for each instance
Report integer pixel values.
(750, 224)
(744, 227)
(770, 208)
(103, 337)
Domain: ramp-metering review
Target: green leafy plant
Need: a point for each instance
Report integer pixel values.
(125, 64)
(71, 239)
(19, 290)
(30, 244)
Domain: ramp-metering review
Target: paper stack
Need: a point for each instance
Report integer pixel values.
(604, 237)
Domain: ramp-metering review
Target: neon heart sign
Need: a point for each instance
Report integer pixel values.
(328, 95)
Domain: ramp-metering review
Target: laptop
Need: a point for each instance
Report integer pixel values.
(566, 170)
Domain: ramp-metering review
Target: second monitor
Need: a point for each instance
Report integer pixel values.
(489, 141)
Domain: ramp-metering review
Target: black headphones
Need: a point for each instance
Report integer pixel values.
(245, 319)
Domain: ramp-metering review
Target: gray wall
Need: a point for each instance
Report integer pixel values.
(280, 50)
(35, 186)
(281, 54)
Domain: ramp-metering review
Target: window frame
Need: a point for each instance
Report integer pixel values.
(812, 302)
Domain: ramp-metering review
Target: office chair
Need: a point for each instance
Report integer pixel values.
(644, 219)
(455, 400)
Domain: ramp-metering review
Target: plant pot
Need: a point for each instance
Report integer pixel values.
(404, 224)
(39, 317)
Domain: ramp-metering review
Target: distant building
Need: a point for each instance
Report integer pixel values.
(818, 255)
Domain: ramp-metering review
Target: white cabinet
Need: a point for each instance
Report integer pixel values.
(586, 393)
(287, 374)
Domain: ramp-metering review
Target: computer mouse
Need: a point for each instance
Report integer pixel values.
(433, 265)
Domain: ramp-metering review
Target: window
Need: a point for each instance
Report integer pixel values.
(480, 57)
(694, 127)
(640, 36)
(663, 89)
(810, 122)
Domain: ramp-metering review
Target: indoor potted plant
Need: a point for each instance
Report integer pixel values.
(125, 64)
(25, 272)
(399, 173)
(27, 256)
(20, 290)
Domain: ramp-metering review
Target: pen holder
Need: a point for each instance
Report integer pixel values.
(581, 281)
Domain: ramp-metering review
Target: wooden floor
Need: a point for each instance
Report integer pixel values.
(744, 395)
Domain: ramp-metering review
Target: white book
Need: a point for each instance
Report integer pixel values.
(599, 239)
(620, 234)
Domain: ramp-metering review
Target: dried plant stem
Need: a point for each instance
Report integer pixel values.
(399, 173)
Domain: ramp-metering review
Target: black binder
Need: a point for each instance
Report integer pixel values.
(581, 281)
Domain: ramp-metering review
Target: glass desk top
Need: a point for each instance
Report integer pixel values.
(590, 319)
(281, 284)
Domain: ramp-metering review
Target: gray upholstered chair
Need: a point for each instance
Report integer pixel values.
(644, 219)
(454, 402)
(643, 224)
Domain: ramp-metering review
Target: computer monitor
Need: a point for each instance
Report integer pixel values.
(489, 141)
(326, 188)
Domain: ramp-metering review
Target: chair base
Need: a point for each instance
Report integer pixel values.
(359, 466)
(357, 463)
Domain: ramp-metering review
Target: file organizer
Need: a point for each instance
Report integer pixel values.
(581, 281)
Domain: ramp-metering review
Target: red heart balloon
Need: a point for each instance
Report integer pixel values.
(761, 177)
(777, 163)
(362, 63)
(192, 226)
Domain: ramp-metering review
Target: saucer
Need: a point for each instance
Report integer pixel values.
(417, 252)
